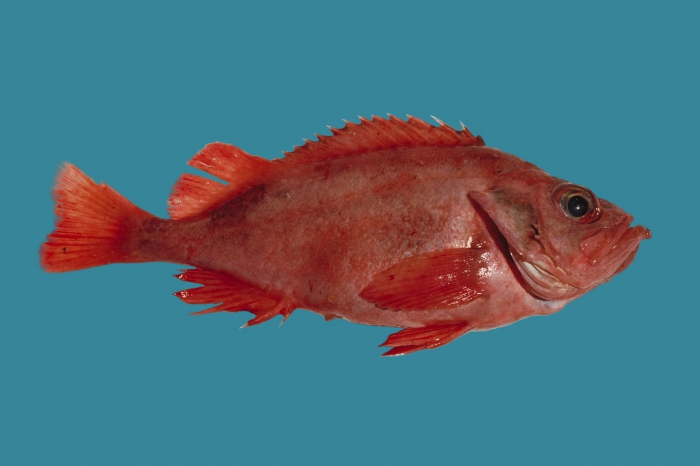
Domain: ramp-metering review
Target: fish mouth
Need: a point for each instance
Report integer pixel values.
(611, 258)
(543, 284)
(626, 244)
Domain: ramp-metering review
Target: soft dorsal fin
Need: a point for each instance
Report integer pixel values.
(381, 134)
(193, 194)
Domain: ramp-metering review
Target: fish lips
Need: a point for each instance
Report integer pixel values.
(598, 246)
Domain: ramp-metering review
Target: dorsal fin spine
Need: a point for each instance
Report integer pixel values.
(408, 126)
(380, 134)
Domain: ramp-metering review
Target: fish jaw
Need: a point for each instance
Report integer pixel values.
(547, 281)
(543, 284)
(622, 253)
(641, 233)
(616, 251)
(618, 240)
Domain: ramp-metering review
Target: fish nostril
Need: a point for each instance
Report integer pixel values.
(536, 231)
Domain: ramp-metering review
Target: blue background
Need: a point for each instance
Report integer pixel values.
(104, 366)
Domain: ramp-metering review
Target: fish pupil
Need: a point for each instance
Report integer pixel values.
(578, 206)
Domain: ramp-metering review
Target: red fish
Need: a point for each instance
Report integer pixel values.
(387, 222)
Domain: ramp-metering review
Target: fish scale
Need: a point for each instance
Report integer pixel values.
(386, 222)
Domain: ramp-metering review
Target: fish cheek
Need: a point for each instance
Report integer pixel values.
(513, 214)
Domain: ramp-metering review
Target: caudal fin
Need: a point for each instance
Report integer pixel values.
(90, 225)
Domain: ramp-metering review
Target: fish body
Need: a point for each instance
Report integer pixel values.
(389, 222)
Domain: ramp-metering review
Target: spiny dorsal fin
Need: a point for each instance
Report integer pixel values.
(193, 194)
(381, 134)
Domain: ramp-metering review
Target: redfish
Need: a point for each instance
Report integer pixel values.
(386, 222)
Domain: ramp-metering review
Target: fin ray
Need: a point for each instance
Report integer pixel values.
(437, 280)
(410, 340)
(380, 133)
(232, 295)
(194, 195)
(91, 224)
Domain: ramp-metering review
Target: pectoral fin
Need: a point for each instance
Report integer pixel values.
(436, 280)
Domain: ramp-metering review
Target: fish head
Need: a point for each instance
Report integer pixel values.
(563, 239)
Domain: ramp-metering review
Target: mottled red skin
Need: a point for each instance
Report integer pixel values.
(387, 222)
(318, 233)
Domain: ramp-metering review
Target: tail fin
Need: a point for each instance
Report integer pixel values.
(91, 223)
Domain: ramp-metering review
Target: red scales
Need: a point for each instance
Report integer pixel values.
(387, 222)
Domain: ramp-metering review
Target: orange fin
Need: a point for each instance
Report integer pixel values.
(410, 340)
(381, 134)
(232, 295)
(193, 195)
(90, 226)
(435, 280)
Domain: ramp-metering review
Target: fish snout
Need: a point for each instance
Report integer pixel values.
(637, 234)
(616, 240)
(644, 232)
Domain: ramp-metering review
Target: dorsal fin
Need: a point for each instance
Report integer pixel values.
(381, 134)
(193, 194)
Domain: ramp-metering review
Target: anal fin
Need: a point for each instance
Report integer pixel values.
(410, 340)
(232, 295)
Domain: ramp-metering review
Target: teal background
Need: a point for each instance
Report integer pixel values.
(104, 366)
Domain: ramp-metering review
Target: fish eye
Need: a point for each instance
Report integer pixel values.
(577, 206)
(577, 203)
